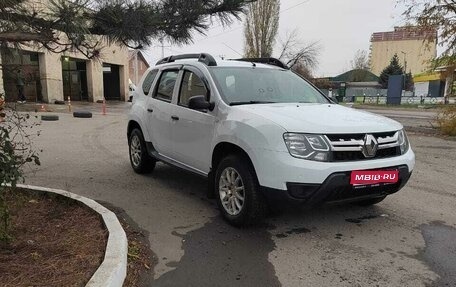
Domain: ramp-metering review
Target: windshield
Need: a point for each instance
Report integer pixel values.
(250, 85)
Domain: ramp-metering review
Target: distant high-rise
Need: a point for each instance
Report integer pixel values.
(415, 47)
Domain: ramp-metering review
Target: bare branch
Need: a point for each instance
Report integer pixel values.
(297, 54)
(360, 61)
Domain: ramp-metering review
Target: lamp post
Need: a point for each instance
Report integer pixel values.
(405, 61)
(405, 69)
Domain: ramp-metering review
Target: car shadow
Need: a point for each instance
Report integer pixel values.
(186, 183)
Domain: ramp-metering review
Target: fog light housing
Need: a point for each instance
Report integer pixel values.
(302, 191)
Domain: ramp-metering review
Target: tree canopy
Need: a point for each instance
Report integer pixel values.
(260, 28)
(75, 25)
(436, 14)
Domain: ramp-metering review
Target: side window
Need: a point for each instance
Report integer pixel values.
(148, 81)
(191, 86)
(166, 85)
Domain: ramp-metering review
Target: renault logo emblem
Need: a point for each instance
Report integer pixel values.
(370, 146)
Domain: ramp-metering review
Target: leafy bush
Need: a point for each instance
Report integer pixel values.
(446, 119)
(15, 153)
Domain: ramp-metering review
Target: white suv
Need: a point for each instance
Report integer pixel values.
(262, 135)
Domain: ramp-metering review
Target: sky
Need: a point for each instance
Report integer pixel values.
(342, 27)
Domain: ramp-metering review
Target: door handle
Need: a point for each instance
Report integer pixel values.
(175, 118)
(150, 110)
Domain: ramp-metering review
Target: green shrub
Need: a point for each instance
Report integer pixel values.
(446, 120)
(15, 153)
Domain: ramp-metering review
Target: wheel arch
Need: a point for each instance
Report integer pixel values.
(221, 150)
(132, 124)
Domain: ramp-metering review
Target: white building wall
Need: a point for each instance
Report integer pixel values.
(422, 89)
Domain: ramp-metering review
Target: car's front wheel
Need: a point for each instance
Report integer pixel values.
(140, 160)
(238, 193)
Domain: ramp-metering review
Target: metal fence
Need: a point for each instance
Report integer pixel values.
(378, 96)
(405, 100)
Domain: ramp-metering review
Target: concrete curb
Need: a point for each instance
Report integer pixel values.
(113, 269)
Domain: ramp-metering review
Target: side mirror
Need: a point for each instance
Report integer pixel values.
(200, 103)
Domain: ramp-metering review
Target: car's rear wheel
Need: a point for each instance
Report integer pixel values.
(140, 160)
(238, 193)
(370, 201)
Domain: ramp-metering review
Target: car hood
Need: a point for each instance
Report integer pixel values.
(322, 118)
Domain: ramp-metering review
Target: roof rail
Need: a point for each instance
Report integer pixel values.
(203, 58)
(268, 61)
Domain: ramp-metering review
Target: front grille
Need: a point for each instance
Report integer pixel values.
(349, 147)
(357, 155)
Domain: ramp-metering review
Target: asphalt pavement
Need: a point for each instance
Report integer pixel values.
(407, 240)
(413, 119)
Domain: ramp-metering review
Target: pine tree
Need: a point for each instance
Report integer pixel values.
(394, 68)
(78, 25)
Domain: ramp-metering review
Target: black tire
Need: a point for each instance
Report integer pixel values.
(370, 201)
(59, 102)
(49, 117)
(82, 114)
(254, 207)
(144, 163)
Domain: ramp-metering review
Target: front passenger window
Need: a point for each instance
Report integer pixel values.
(191, 86)
(148, 81)
(166, 86)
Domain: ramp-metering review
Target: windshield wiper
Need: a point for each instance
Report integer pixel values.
(250, 103)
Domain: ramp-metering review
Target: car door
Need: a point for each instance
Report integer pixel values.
(192, 130)
(159, 109)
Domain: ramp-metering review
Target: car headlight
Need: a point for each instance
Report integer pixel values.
(403, 142)
(307, 146)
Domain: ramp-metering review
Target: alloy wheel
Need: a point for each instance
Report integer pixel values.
(231, 191)
(135, 150)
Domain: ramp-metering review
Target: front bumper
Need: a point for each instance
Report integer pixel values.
(335, 189)
(276, 169)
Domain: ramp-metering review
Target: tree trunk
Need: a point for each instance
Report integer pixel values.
(449, 84)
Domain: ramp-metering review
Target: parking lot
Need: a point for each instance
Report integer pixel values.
(407, 240)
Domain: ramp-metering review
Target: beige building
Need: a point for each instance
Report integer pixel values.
(415, 48)
(138, 65)
(51, 76)
(48, 76)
